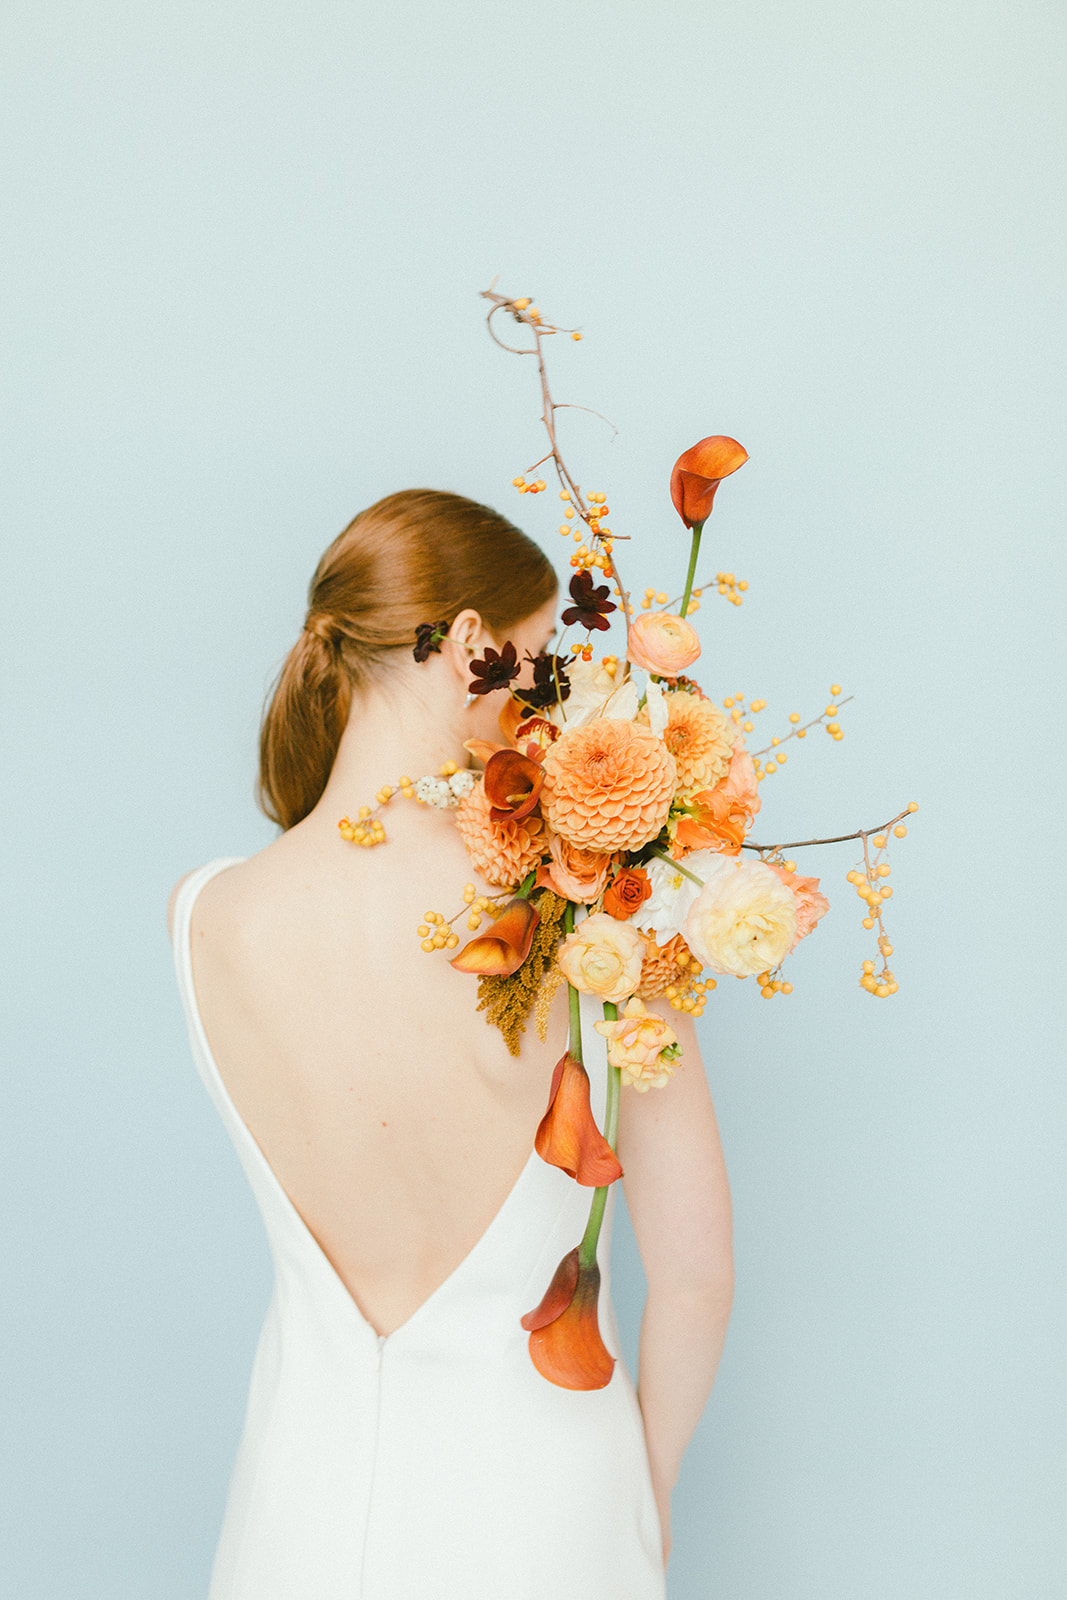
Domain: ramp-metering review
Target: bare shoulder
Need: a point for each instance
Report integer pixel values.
(218, 891)
(675, 1180)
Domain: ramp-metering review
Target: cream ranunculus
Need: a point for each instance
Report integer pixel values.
(603, 957)
(642, 1045)
(743, 920)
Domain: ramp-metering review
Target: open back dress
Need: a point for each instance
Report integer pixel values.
(434, 1462)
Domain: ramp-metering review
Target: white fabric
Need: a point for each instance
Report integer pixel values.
(435, 1463)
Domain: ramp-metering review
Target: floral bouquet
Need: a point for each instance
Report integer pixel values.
(612, 818)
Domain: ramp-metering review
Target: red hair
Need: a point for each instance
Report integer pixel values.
(417, 556)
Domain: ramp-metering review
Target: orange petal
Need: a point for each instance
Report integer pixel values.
(558, 1295)
(481, 748)
(513, 713)
(513, 785)
(569, 1351)
(699, 471)
(502, 951)
(567, 1136)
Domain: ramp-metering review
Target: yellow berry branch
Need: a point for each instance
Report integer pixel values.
(800, 732)
(591, 509)
(838, 838)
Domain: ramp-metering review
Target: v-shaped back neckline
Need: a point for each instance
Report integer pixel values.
(183, 928)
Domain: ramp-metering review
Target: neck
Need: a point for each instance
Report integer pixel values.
(387, 737)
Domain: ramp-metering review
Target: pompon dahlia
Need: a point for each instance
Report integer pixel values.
(608, 785)
(503, 852)
(699, 737)
(663, 965)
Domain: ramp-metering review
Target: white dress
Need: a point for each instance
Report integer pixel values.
(435, 1462)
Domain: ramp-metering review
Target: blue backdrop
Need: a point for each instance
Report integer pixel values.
(240, 303)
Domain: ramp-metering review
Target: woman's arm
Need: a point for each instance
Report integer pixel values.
(679, 1203)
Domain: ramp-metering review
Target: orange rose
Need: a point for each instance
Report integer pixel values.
(629, 889)
(662, 643)
(698, 473)
(572, 871)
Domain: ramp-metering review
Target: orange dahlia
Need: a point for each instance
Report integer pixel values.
(699, 737)
(503, 852)
(608, 785)
(662, 965)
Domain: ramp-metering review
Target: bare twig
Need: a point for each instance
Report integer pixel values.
(549, 407)
(839, 838)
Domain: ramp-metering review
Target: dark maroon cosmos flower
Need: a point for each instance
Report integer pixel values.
(428, 636)
(545, 691)
(591, 607)
(495, 670)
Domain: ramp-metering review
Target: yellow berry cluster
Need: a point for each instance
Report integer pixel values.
(435, 930)
(588, 555)
(874, 892)
(778, 755)
(770, 982)
(367, 829)
(689, 992)
(436, 934)
(733, 588)
(537, 487)
(480, 905)
(650, 598)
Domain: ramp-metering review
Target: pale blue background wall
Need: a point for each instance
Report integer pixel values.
(239, 303)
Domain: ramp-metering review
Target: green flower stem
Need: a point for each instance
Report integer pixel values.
(525, 888)
(698, 529)
(672, 863)
(587, 1248)
(574, 1042)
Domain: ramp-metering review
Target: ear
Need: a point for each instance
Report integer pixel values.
(469, 637)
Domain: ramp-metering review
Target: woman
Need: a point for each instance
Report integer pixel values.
(399, 1441)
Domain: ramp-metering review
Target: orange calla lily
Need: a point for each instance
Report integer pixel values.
(567, 1136)
(513, 785)
(565, 1343)
(503, 950)
(699, 471)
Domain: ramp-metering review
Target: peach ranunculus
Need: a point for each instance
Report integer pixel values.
(699, 736)
(642, 1045)
(503, 852)
(662, 643)
(603, 957)
(574, 872)
(743, 920)
(811, 905)
(628, 890)
(698, 472)
(608, 785)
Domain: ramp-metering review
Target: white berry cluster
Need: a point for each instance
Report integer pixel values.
(445, 792)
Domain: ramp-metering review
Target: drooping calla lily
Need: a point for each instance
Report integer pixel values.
(565, 1343)
(513, 784)
(567, 1136)
(501, 951)
(699, 471)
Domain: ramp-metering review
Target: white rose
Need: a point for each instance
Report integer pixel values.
(743, 920)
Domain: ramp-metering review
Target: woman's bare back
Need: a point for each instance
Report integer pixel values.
(393, 1116)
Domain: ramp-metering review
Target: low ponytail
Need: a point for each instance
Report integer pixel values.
(418, 556)
(302, 728)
